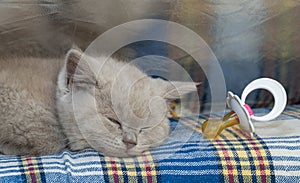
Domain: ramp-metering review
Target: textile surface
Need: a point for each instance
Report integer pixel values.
(185, 157)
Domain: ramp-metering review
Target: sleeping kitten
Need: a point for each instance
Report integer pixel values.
(112, 106)
(108, 105)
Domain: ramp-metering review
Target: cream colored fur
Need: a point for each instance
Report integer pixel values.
(82, 102)
(28, 119)
(112, 106)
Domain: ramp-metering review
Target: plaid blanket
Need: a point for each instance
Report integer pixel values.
(185, 157)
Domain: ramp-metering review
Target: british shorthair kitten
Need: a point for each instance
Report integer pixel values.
(82, 102)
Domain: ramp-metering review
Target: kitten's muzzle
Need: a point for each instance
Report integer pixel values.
(130, 139)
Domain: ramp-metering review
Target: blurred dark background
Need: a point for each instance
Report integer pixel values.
(250, 38)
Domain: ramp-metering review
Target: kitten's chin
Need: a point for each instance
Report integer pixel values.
(125, 154)
(137, 150)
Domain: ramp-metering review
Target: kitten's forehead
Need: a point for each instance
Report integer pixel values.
(126, 93)
(135, 102)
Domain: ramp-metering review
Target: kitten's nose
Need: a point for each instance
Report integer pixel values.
(129, 138)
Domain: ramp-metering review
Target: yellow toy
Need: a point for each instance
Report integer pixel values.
(172, 110)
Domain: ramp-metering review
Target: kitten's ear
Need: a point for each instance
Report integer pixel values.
(175, 89)
(77, 68)
(72, 59)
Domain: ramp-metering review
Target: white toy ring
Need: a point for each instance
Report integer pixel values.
(276, 89)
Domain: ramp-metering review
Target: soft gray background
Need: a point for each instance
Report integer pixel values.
(251, 38)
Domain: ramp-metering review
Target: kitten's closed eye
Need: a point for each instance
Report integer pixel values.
(114, 121)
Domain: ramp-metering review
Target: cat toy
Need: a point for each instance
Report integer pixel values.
(241, 113)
